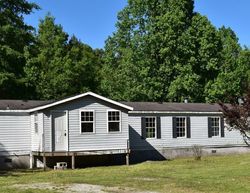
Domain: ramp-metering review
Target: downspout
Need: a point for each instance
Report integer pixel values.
(31, 155)
(43, 139)
(43, 145)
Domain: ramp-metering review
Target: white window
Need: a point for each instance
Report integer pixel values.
(114, 121)
(87, 121)
(181, 126)
(215, 126)
(36, 123)
(150, 127)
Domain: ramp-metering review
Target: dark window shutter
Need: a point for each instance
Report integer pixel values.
(209, 127)
(174, 127)
(222, 127)
(158, 126)
(188, 128)
(143, 128)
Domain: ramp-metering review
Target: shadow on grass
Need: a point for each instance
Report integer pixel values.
(7, 173)
(18, 172)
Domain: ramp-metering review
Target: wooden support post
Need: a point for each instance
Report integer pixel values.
(31, 161)
(73, 161)
(127, 159)
(128, 151)
(44, 162)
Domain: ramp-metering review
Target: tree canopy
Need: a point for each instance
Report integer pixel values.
(160, 51)
(58, 66)
(15, 35)
(164, 51)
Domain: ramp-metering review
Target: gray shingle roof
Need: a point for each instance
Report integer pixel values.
(21, 104)
(138, 106)
(175, 107)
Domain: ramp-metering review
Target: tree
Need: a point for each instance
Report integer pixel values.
(15, 35)
(238, 116)
(47, 62)
(85, 64)
(244, 63)
(58, 66)
(232, 69)
(199, 55)
(162, 50)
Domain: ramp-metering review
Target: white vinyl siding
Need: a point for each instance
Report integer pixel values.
(199, 134)
(47, 131)
(36, 133)
(15, 134)
(101, 139)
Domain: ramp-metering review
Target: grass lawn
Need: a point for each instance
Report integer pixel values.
(211, 174)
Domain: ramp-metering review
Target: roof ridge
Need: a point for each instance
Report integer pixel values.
(164, 102)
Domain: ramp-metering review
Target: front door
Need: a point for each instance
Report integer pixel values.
(59, 124)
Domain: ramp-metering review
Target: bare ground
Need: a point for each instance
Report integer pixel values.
(77, 188)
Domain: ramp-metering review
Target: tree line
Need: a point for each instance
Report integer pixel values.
(162, 50)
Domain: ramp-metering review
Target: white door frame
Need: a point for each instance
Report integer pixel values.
(67, 128)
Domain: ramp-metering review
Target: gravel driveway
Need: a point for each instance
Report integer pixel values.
(77, 188)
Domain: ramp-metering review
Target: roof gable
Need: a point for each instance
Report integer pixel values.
(80, 96)
(36, 105)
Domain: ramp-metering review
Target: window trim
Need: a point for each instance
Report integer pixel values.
(185, 136)
(36, 129)
(155, 127)
(107, 122)
(216, 136)
(80, 121)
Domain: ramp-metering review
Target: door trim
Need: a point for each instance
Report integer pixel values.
(67, 128)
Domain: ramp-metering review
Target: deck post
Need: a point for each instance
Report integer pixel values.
(127, 159)
(128, 151)
(73, 161)
(31, 160)
(44, 162)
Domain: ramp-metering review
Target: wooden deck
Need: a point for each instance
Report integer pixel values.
(74, 154)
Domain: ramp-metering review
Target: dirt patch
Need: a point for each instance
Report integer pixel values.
(147, 179)
(77, 188)
(42, 186)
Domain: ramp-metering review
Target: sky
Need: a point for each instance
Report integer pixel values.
(92, 21)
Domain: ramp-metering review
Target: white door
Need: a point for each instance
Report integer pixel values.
(59, 125)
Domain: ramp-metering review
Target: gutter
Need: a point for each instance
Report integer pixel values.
(173, 112)
(130, 112)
